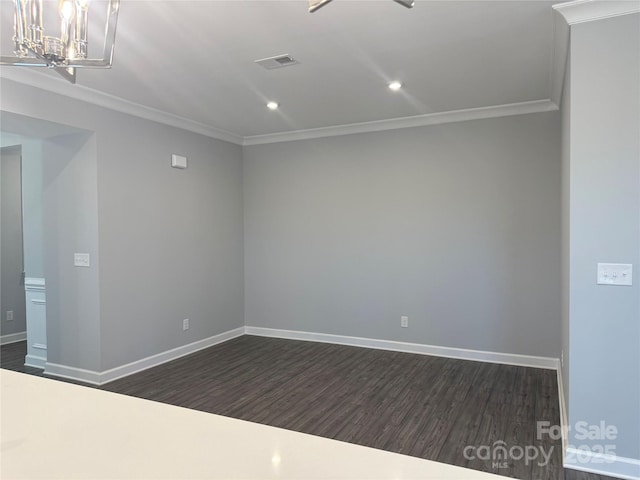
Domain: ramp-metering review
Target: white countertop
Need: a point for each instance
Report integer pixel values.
(51, 429)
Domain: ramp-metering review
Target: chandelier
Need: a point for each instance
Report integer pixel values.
(316, 4)
(55, 34)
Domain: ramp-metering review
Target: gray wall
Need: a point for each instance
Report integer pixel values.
(456, 226)
(32, 207)
(70, 225)
(169, 243)
(31, 200)
(12, 294)
(605, 227)
(170, 240)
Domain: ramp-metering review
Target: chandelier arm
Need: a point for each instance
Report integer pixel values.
(89, 63)
(405, 3)
(40, 62)
(110, 31)
(22, 61)
(19, 22)
(68, 73)
(316, 4)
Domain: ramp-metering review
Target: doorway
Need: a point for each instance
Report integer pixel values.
(12, 294)
(59, 204)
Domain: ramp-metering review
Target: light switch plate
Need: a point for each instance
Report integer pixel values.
(178, 161)
(81, 260)
(615, 274)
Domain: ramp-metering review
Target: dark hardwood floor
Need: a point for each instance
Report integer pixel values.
(428, 407)
(12, 358)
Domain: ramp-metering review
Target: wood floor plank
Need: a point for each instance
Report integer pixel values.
(419, 405)
(547, 410)
(495, 422)
(469, 416)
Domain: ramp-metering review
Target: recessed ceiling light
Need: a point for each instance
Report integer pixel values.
(272, 105)
(395, 86)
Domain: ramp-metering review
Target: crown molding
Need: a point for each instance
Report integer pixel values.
(580, 11)
(58, 86)
(572, 13)
(522, 108)
(52, 84)
(559, 57)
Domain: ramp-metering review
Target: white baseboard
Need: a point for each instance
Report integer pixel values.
(34, 361)
(72, 373)
(586, 461)
(100, 378)
(164, 357)
(459, 353)
(13, 338)
(612, 466)
(621, 467)
(564, 418)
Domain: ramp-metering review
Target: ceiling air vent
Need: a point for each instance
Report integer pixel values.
(278, 61)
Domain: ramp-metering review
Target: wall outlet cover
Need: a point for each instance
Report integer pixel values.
(615, 274)
(81, 260)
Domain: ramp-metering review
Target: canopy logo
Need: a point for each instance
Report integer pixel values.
(500, 453)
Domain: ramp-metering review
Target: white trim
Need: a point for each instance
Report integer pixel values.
(13, 338)
(34, 361)
(522, 108)
(460, 353)
(608, 465)
(559, 57)
(580, 11)
(52, 84)
(59, 86)
(160, 358)
(35, 297)
(72, 373)
(34, 284)
(564, 419)
(100, 378)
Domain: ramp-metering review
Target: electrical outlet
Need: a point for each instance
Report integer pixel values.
(404, 322)
(185, 324)
(9, 315)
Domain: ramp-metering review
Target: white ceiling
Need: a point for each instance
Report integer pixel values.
(195, 59)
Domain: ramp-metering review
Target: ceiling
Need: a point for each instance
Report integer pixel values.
(195, 60)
